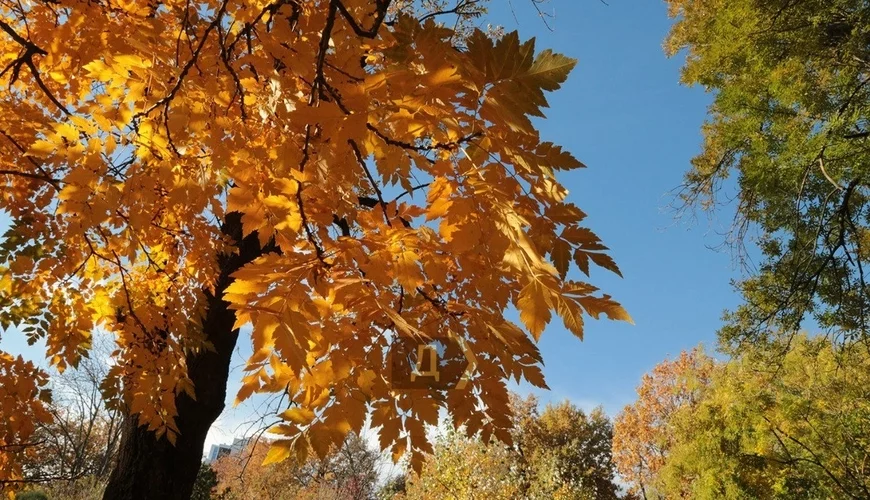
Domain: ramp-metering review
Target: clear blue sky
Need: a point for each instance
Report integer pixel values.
(624, 114)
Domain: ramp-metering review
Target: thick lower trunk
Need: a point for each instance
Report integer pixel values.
(148, 468)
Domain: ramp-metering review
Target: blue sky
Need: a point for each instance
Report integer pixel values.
(624, 114)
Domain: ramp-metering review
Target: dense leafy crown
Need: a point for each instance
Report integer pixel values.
(558, 453)
(790, 122)
(768, 423)
(643, 433)
(394, 181)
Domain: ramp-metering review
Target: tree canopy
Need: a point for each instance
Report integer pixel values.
(789, 120)
(643, 432)
(337, 173)
(348, 472)
(559, 452)
(766, 424)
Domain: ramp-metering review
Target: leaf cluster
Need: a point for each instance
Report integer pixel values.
(788, 127)
(335, 172)
(762, 425)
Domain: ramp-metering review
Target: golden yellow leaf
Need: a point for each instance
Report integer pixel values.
(561, 255)
(596, 306)
(439, 198)
(279, 451)
(298, 415)
(534, 307)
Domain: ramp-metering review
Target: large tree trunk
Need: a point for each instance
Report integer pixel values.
(148, 468)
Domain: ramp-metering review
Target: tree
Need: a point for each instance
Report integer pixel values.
(83, 488)
(349, 472)
(26, 401)
(72, 447)
(465, 467)
(206, 484)
(793, 429)
(559, 452)
(644, 434)
(393, 487)
(789, 120)
(334, 173)
(767, 424)
(565, 453)
(82, 437)
(31, 495)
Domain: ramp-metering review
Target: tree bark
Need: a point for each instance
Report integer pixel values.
(148, 468)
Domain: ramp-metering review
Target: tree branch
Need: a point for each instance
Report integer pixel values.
(26, 59)
(374, 183)
(381, 8)
(193, 58)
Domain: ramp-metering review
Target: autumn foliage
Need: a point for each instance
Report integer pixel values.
(388, 171)
(788, 129)
(779, 423)
(24, 404)
(643, 433)
(347, 472)
(558, 452)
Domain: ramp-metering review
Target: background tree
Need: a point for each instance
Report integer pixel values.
(644, 434)
(26, 401)
(793, 429)
(31, 495)
(71, 451)
(767, 424)
(789, 120)
(206, 485)
(466, 467)
(319, 170)
(348, 472)
(83, 488)
(563, 452)
(393, 487)
(559, 452)
(83, 435)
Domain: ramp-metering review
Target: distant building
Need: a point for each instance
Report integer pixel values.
(217, 451)
(222, 450)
